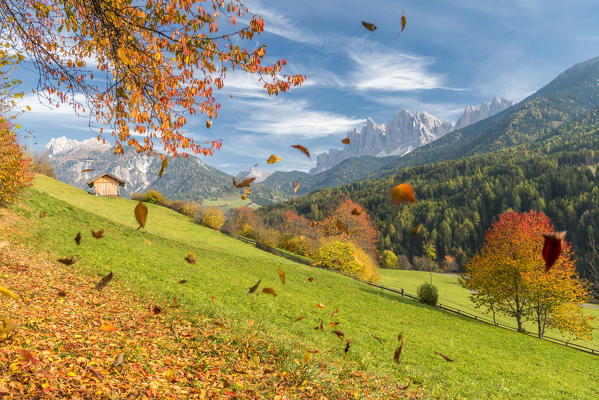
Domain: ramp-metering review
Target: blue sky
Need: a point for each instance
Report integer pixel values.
(451, 55)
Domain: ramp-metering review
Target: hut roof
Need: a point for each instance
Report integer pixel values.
(120, 181)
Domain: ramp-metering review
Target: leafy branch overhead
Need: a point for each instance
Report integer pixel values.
(156, 63)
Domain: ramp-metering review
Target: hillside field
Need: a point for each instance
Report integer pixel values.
(489, 362)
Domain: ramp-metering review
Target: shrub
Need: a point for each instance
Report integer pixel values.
(189, 208)
(213, 218)
(346, 257)
(298, 244)
(155, 197)
(42, 165)
(389, 259)
(427, 293)
(267, 236)
(247, 231)
(403, 262)
(14, 165)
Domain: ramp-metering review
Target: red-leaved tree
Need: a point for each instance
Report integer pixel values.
(14, 165)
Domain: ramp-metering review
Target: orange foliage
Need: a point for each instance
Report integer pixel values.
(14, 165)
(163, 61)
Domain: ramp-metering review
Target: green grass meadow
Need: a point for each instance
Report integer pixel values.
(489, 362)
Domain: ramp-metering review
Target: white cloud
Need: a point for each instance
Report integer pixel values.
(280, 117)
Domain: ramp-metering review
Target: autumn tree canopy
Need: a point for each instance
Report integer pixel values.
(508, 276)
(140, 68)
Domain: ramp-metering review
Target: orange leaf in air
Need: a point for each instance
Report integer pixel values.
(402, 193)
(281, 275)
(319, 305)
(208, 124)
(296, 187)
(98, 234)
(273, 159)
(299, 318)
(245, 182)
(268, 290)
(302, 149)
(334, 313)
(345, 141)
(190, 258)
(369, 26)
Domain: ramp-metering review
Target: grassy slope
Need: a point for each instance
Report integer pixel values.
(453, 294)
(490, 363)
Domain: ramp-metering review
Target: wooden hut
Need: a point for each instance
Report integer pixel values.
(106, 185)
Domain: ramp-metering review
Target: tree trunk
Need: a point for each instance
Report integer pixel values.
(519, 320)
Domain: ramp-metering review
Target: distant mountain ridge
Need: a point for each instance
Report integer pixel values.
(405, 133)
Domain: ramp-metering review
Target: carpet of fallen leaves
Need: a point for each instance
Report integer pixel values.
(71, 341)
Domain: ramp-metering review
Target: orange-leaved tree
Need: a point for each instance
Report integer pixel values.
(349, 221)
(14, 165)
(508, 276)
(155, 62)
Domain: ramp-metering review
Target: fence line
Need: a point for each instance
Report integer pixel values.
(403, 293)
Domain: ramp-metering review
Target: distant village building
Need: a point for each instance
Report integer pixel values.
(106, 185)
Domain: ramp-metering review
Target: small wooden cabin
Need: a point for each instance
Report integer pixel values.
(106, 185)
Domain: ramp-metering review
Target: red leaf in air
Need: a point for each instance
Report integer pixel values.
(552, 248)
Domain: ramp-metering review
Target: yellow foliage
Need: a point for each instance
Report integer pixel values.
(346, 257)
(213, 218)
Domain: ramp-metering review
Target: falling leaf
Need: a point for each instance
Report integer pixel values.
(356, 212)
(273, 159)
(182, 281)
(319, 305)
(552, 248)
(243, 197)
(104, 281)
(156, 310)
(299, 318)
(307, 357)
(345, 141)
(107, 327)
(416, 229)
(78, 238)
(444, 356)
(346, 347)
(369, 26)
(98, 234)
(358, 259)
(296, 187)
(213, 299)
(190, 258)
(247, 190)
(175, 303)
(255, 287)
(333, 324)
(26, 355)
(67, 261)
(334, 313)
(378, 338)
(320, 326)
(141, 213)
(42, 214)
(170, 375)
(302, 149)
(402, 193)
(119, 360)
(208, 124)
(8, 293)
(163, 166)
(403, 20)
(245, 182)
(268, 290)
(341, 226)
(312, 224)
(281, 275)
(310, 279)
(6, 327)
(87, 170)
(339, 334)
(398, 351)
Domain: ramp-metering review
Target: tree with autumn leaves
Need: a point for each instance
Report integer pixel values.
(508, 276)
(140, 68)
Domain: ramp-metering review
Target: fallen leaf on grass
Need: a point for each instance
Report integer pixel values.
(95, 373)
(255, 287)
(42, 214)
(444, 356)
(27, 356)
(98, 234)
(281, 275)
(268, 290)
(8, 293)
(333, 324)
(190, 258)
(78, 238)
(334, 313)
(119, 360)
(67, 261)
(107, 327)
(104, 281)
(310, 279)
(378, 338)
(319, 305)
(299, 318)
(141, 214)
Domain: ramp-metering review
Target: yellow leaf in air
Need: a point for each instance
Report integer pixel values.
(141, 214)
(273, 159)
(8, 293)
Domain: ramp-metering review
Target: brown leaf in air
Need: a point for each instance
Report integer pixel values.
(416, 229)
(552, 248)
(319, 305)
(402, 193)
(61, 293)
(245, 182)
(334, 313)
(273, 159)
(398, 351)
(299, 318)
(98, 234)
(156, 310)
(87, 170)
(141, 213)
(255, 287)
(378, 338)
(369, 26)
(281, 275)
(107, 327)
(444, 356)
(320, 326)
(42, 214)
(182, 281)
(346, 347)
(268, 290)
(333, 324)
(8, 293)
(163, 166)
(190, 258)
(356, 212)
(208, 124)
(67, 261)
(339, 334)
(243, 197)
(78, 238)
(403, 20)
(302, 149)
(345, 141)
(310, 279)
(104, 281)
(27, 356)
